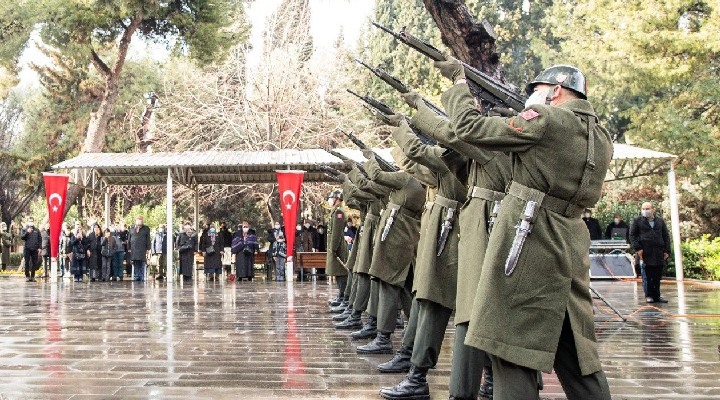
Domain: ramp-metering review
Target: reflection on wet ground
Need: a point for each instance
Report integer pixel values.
(264, 340)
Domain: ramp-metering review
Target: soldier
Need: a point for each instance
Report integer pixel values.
(394, 251)
(435, 279)
(5, 243)
(365, 247)
(337, 251)
(534, 287)
(350, 194)
(489, 174)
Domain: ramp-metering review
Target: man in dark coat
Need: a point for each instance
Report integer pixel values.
(593, 225)
(31, 252)
(651, 241)
(186, 245)
(619, 224)
(139, 244)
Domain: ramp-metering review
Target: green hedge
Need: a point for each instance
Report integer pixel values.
(701, 259)
(15, 259)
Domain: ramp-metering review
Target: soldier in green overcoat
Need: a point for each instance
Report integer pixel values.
(5, 243)
(489, 174)
(395, 244)
(337, 252)
(435, 279)
(344, 310)
(533, 308)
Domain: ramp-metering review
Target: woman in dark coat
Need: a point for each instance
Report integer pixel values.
(94, 246)
(244, 246)
(107, 250)
(186, 245)
(79, 255)
(211, 246)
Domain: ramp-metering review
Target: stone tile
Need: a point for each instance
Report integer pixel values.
(264, 340)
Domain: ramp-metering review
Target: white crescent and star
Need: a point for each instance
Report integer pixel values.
(292, 195)
(59, 201)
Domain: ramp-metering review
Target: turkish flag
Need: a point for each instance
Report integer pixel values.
(289, 184)
(55, 191)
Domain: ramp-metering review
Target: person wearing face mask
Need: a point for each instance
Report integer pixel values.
(337, 252)
(5, 243)
(186, 244)
(159, 248)
(139, 244)
(650, 238)
(321, 238)
(226, 237)
(116, 271)
(31, 251)
(244, 245)
(65, 249)
(306, 238)
(617, 229)
(212, 248)
(560, 155)
(593, 225)
(278, 251)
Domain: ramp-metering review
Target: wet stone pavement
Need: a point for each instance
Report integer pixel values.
(265, 340)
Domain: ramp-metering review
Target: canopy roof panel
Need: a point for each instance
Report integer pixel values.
(631, 161)
(192, 168)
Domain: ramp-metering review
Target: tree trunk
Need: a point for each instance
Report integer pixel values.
(97, 128)
(470, 40)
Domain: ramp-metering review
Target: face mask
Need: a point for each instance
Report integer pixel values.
(646, 213)
(617, 221)
(138, 222)
(299, 227)
(537, 97)
(587, 215)
(112, 230)
(321, 231)
(161, 230)
(331, 202)
(212, 230)
(307, 226)
(277, 226)
(245, 229)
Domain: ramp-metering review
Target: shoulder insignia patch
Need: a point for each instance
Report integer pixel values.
(529, 114)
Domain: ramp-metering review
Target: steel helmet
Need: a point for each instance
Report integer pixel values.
(566, 76)
(336, 194)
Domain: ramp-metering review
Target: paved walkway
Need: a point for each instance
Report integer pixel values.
(274, 340)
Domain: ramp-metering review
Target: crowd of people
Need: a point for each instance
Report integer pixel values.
(114, 252)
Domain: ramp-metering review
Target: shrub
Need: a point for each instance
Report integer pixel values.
(701, 259)
(15, 259)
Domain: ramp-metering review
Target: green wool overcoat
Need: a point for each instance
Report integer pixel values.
(375, 206)
(435, 277)
(392, 257)
(519, 317)
(486, 169)
(337, 251)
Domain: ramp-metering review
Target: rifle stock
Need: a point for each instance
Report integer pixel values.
(488, 89)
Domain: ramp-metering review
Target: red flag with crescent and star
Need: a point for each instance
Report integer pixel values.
(289, 184)
(55, 191)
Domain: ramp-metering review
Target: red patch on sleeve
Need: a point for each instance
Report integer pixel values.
(529, 114)
(340, 216)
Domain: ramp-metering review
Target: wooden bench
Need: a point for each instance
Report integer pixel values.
(309, 260)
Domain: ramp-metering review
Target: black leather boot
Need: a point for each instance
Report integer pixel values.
(486, 389)
(399, 363)
(368, 330)
(336, 302)
(339, 309)
(351, 322)
(343, 315)
(413, 387)
(380, 345)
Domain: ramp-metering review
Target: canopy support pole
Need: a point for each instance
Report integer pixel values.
(196, 210)
(675, 223)
(169, 271)
(107, 207)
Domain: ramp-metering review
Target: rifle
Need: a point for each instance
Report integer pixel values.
(398, 85)
(347, 159)
(382, 111)
(486, 88)
(384, 165)
(333, 173)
